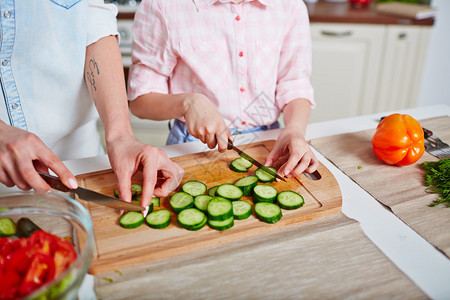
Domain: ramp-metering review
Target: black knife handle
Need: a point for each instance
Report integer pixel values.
(54, 182)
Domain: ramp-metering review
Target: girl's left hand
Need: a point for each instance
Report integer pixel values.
(292, 155)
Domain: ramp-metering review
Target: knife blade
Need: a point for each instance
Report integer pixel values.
(91, 196)
(253, 161)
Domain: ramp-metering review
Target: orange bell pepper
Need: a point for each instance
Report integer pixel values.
(398, 140)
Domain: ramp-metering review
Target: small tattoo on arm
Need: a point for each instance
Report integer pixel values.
(92, 73)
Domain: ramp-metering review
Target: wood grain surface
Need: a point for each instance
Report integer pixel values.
(399, 188)
(326, 258)
(117, 247)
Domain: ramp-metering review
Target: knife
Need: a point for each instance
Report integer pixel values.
(252, 160)
(91, 196)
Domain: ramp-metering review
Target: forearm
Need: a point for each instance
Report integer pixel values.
(106, 84)
(296, 115)
(156, 106)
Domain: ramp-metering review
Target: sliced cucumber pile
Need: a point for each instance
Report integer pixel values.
(131, 219)
(194, 188)
(180, 201)
(240, 165)
(246, 184)
(229, 191)
(264, 193)
(290, 200)
(268, 212)
(218, 206)
(158, 219)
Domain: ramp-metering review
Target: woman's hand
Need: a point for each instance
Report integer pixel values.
(292, 155)
(22, 154)
(127, 156)
(204, 122)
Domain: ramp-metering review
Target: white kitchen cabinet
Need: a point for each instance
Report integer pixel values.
(403, 62)
(361, 69)
(346, 63)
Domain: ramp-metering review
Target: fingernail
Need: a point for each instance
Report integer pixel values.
(73, 183)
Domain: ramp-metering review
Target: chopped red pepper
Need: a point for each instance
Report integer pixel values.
(27, 264)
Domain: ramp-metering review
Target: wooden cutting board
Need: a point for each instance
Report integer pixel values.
(117, 247)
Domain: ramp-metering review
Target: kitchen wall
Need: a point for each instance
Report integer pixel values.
(435, 87)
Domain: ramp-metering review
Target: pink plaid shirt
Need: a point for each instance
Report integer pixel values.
(249, 59)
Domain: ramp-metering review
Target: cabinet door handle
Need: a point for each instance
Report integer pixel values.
(336, 33)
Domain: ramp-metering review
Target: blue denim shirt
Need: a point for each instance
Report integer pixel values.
(42, 56)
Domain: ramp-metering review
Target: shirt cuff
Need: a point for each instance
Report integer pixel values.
(101, 21)
(289, 91)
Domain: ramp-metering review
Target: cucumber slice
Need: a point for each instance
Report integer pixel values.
(221, 225)
(268, 212)
(25, 227)
(7, 227)
(263, 176)
(290, 200)
(180, 201)
(241, 209)
(229, 191)
(194, 188)
(137, 188)
(201, 202)
(212, 191)
(264, 193)
(246, 184)
(191, 219)
(219, 209)
(131, 219)
(134, 194)
(199, 226)
(158, 219)
(240, 165)
(156, 201)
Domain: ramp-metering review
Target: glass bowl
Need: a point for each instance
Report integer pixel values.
(62, 216)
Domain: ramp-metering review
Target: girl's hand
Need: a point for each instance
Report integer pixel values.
(291, 154)
(204, 122)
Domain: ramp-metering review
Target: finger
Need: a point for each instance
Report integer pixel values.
(123, 184)
(150, 172)
(48, 158)
(300, 168)
(173, 175)
(211, 141)
(291, 163)
(13, 173)
(4, 178)
(222, 141)
(31, 177)
(313, 165)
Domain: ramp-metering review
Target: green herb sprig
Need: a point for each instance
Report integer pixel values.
(437, 179)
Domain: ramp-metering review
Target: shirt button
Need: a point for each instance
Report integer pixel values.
(241, 54)
(238, 18)
(14, 105)
(242, 89)
(5, 63)
(7, 14)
